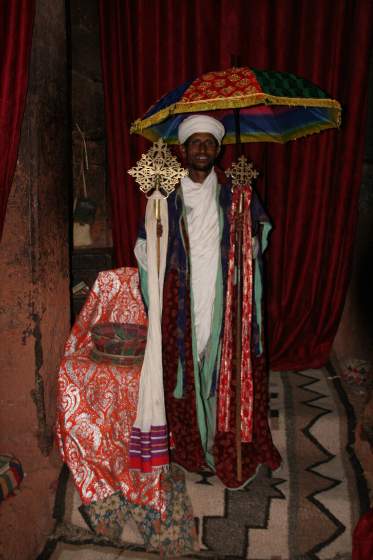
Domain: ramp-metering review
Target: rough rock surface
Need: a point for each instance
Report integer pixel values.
(34, 290)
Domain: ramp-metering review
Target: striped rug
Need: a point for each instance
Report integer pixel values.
(306, 510)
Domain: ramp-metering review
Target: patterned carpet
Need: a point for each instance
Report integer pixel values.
(306, 510)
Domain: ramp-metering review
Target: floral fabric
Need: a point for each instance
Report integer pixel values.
(173, 534)
(96, 402)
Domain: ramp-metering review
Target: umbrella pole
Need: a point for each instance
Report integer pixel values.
(239, 343)
(237, 128)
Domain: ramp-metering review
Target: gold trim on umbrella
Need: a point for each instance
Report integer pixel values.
(251, 100)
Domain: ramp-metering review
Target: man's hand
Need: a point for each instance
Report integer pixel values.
(255, 246)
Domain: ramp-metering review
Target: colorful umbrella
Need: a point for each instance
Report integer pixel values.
(273, 106)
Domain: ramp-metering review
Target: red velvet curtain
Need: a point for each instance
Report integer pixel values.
(310, 187)
(16, 24)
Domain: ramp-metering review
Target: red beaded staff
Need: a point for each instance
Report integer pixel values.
(242, 174)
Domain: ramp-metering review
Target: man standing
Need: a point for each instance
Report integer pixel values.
(193, 314)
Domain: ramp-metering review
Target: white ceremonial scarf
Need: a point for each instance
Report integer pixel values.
(204, 242)
(151, 407)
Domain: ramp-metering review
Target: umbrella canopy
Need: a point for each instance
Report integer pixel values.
(273, 106)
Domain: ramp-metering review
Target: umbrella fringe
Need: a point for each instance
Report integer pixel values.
(297, 133)
(139, 125)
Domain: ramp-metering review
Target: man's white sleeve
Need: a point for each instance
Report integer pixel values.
(140, 253)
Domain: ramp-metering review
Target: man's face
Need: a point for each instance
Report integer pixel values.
(200, 151)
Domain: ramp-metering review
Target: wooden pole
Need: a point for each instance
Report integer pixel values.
(236, 114)
(238, 341)
(157, 211)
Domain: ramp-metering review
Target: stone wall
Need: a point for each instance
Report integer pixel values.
(35, 302)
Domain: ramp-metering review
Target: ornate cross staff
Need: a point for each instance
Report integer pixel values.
(242, 175)
(158, 171)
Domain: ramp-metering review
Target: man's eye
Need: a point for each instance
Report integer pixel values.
(209, 144)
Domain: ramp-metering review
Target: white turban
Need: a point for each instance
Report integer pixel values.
(200, 123)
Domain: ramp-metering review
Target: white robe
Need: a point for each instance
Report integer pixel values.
(204, 242)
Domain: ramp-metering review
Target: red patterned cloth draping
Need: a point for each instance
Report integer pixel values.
(97, 401)
(16, 25)
(227, 361)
